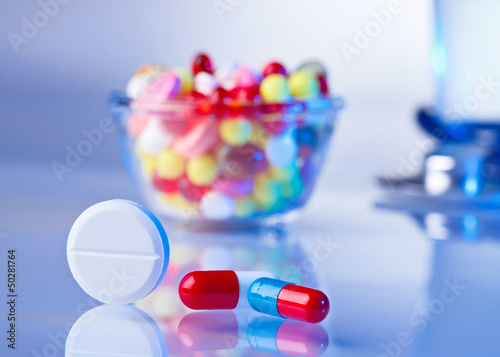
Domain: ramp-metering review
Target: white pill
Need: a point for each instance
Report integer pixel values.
(281, 151)
(109, 330)
(205, 83)
(118, 251)
(218, 206)
(154, 138)
(226, 74)
(137, 85)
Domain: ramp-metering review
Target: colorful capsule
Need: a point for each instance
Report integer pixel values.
(218, 289)
(202, 170)
(186, 78)
(235, 132)
(205, 83)
(170, 165)
(303, 84)
(165, 87)
(279, 298)
(202, 63)
(274, 89)
(274, 68)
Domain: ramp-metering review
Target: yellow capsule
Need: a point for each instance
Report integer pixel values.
(259, 136)
(235, 132)
(274, 89)
(303, 84)
(202, 170)
(151, 69)
(170, 165)
(148, 163)
(283, 174)
(267, 195)
(245, 207)
(186, 78)
(179, 202)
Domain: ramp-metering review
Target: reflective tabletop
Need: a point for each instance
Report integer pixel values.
(403, 280)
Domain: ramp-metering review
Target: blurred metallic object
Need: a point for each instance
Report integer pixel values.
(464, 123)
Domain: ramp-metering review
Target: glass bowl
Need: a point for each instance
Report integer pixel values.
(223, 166)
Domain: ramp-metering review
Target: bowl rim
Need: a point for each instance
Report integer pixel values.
(119, 101)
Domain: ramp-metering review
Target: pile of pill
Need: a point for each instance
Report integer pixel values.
(230, 142)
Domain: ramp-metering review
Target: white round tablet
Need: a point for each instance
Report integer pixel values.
(109, 330)
(118, 251)
(218, 206)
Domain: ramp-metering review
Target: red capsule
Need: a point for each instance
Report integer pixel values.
(248, 94)
(323, 85)
(274, 68)
(192, 192)
(303, 304)
(164, 185)
(220, 96)
(202, 63)
(209, 291)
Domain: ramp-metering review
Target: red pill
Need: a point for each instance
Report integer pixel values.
(202, 63)
(247, 94)
(220, 96)
(190, 191)
(274, 68)
(323, 85)
(218, 289)
(164, 185)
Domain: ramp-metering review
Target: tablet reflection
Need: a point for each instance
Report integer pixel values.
(109, 330)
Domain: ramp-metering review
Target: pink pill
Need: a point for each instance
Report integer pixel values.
(166, 86)
(174, 123)
(136, 123)
(245, 77)
(226, 185)
(200, 139)
(275, 126)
